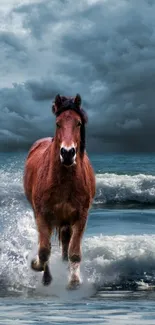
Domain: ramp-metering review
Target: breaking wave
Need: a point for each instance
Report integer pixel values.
(109, 262)
(112, 189)
(125, 189)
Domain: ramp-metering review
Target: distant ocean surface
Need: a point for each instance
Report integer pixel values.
(118, 267)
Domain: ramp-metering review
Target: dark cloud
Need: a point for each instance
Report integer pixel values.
(102, 49)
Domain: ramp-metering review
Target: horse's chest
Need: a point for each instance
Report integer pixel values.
(64, 211)
(64, 203)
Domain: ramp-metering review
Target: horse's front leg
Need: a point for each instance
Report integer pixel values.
(41, 262)
(74, 251)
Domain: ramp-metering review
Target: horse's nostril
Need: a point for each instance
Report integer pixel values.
(62, 151)
(72, 151)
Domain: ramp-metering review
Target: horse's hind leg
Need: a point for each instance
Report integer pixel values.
(40, 263)
(65, 235)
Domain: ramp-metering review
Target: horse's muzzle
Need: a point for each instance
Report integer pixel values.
(67, 156)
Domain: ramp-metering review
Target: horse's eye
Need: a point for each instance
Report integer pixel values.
(79, 123)
(58, 125)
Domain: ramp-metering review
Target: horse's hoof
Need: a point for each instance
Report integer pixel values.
(74, 284)
(65, 258)
(47, 277)
(36, 266)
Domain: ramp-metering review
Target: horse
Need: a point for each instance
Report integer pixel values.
(59, 183)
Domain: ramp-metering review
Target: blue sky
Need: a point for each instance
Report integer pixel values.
(104, 50)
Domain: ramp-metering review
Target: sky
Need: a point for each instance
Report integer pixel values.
(102, 49)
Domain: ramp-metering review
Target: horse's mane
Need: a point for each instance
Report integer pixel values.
(69, 103)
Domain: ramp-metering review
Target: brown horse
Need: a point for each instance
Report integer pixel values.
(59, 183)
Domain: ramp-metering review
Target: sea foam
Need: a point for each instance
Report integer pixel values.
(111, 262)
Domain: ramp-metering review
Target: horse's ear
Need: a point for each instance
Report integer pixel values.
(57, 104)
(77, 101)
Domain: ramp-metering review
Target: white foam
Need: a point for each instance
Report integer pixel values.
(112, 256)
(124, 188)
(106, 259)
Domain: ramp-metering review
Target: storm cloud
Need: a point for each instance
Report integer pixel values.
(104, 50)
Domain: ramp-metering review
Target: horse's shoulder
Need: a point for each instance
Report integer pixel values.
(40, 144)
(43, 142)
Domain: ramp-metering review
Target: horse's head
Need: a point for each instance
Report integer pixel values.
(70, 128)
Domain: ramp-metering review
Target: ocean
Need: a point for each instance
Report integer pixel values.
(118, 267)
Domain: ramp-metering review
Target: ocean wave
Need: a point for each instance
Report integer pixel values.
(112, 189)
(121, 262)
(11, 187)
(109, 262)
(125, 189)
